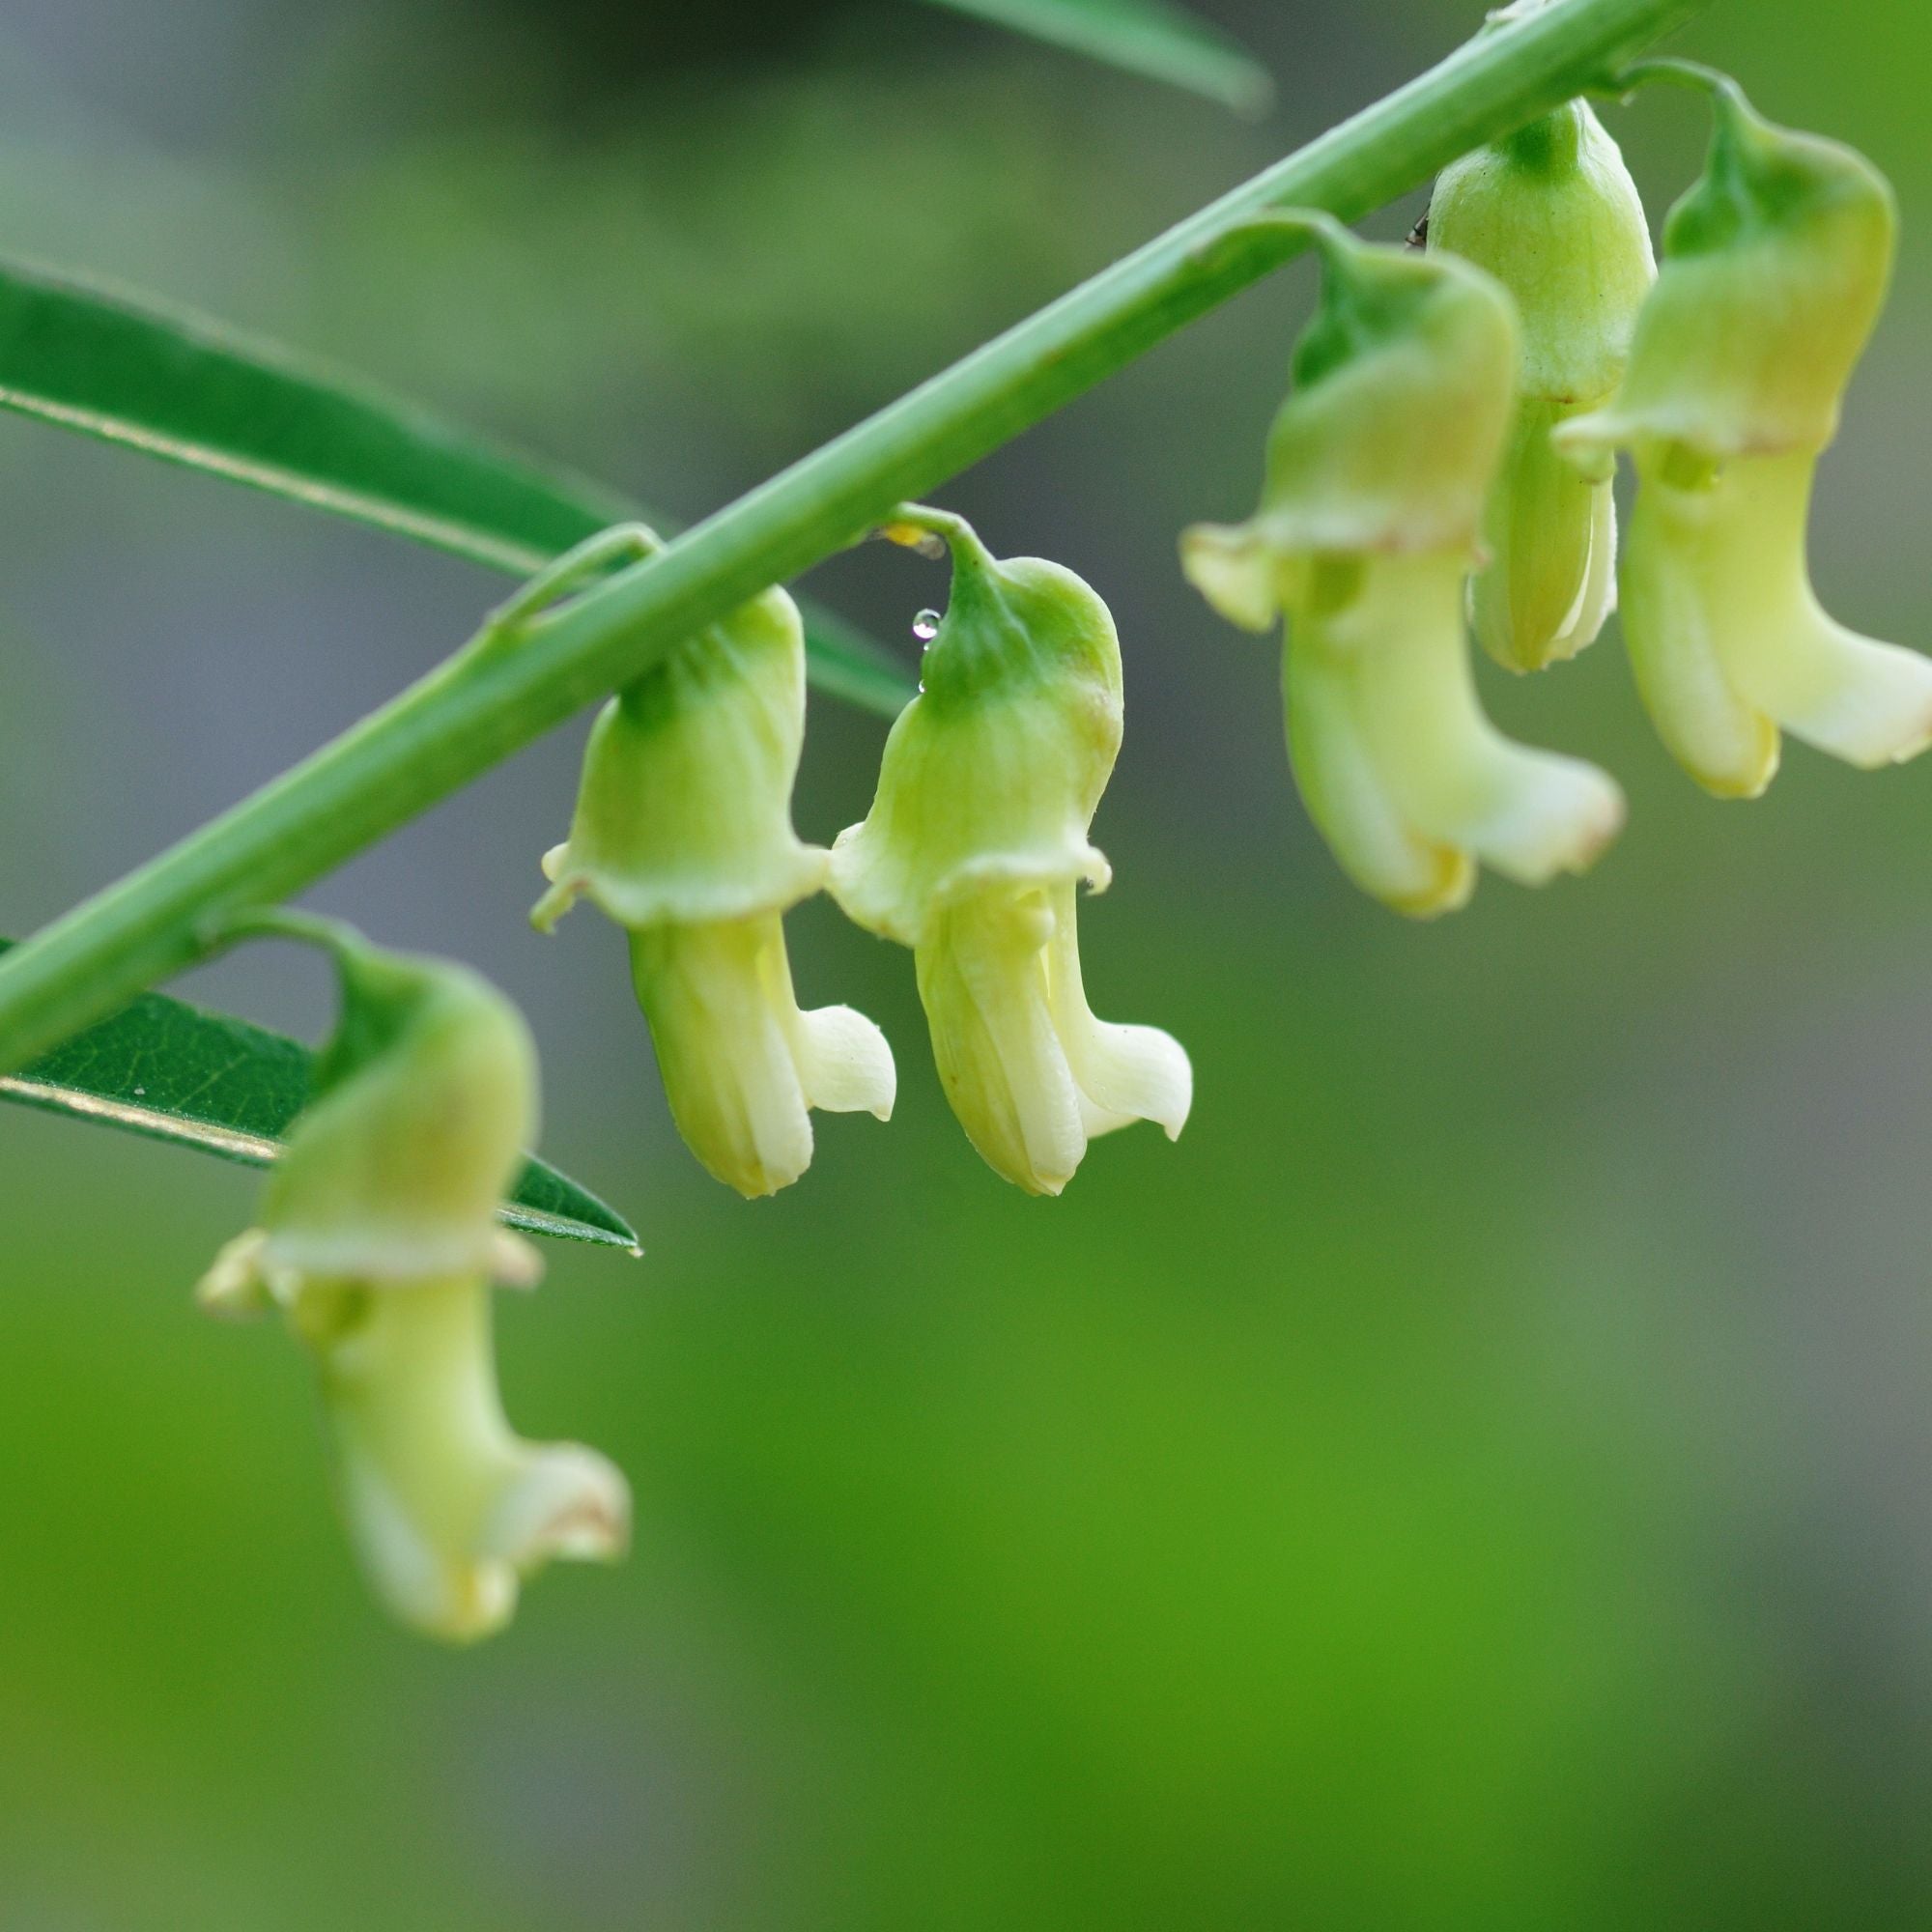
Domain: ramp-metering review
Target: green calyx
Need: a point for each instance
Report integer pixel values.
(1012, 625)
(1396, 427)
(994, 771)
(1776, 267)
(1371, 297)
(684, 811)
(425, 1102)
(1760, 177)
(1390, 440)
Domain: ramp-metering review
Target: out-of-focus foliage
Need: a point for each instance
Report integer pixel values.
(1472, 1480)
(1148, 37)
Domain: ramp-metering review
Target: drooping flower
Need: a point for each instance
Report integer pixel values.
(379, 1240)
(1776, 267)
(1378, 467)
(973, 853)
(1552, 212)
(683, 834)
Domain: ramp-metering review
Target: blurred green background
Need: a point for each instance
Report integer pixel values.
(1476, 1479)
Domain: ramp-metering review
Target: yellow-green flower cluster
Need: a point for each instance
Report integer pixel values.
(1380, 467)
(1453, 433)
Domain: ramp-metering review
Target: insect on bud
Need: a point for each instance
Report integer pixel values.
(378, 1239)
(1776, 267)
(1379, 466)
(683, 834)
(973, 853)
(1553, 215)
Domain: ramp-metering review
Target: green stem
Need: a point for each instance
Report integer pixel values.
(943, 529)
(1674, 73)
(498, 694)
(333, 936)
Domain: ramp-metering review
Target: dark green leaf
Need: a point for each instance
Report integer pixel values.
(1155, 38)
(191, 391)
(173, 1072)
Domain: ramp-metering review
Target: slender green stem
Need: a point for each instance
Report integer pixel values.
(933, 532)
(333, 936)
(502, 692)
(1674, 73)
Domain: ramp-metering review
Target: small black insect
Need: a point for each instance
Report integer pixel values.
(1418, 236)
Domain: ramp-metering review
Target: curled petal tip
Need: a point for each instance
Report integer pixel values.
(514, 1262)
(1874, 708)
(234, 1289)
(1234, 570)
(845, 1063)
(569, 1502)
(1559, 816)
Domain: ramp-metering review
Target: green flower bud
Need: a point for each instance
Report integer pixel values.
(1553, 215)
(683, 834)
(1776, 267)
(378, 1239)
(1379, 466)
(972, 853)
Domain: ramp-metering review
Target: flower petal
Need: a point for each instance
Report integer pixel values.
(447, 1508)
(983, 977)
(1125, 1073)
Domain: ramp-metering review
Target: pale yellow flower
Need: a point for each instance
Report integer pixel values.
(683, 834)
(378, 1239)
(973, 853)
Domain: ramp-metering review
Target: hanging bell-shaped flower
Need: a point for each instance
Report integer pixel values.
(1553, 215)
(1378, 469)
(973, 853)
(1776, 267)
(379, 1240)
(683, 836)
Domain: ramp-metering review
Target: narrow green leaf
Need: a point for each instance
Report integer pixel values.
(173, 1072)
(1153, 37)
(191, 391)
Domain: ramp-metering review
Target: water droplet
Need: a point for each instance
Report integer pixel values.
(925, 626)
(140, 1089)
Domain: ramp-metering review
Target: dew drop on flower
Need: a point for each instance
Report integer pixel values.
(925, 626)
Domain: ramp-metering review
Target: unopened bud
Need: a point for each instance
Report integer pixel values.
(1553, 215)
